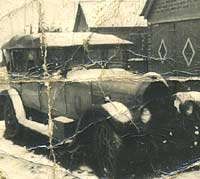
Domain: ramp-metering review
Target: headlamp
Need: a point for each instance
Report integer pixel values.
(189, 109)
(145, 115)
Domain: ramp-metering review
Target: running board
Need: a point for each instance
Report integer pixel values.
(58, 130)
(41, 128)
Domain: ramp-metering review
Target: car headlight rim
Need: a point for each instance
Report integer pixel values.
(187, 108)
(145, 115)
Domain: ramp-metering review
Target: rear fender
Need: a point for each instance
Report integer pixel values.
(17, 103)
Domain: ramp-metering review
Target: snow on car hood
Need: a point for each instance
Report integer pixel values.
(97, 74)
(112, 74)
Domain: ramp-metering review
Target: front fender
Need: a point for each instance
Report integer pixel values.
(118, 112)
(182, 97)
(115, 113)
(121, 118)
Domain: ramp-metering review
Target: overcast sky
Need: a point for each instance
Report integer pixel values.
(8, 5)
(60, 12)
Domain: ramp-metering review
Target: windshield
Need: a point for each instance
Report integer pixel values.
(23, 59)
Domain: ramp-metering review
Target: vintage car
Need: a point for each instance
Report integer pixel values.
(111, 107)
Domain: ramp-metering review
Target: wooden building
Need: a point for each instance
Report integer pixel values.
(119, 18)
(25, 17)
(174, 36)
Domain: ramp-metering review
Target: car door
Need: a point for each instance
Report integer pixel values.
(78, 98)
(30, 94)
(54, 99)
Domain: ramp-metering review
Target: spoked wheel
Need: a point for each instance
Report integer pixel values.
(107, 145)
(12, 126)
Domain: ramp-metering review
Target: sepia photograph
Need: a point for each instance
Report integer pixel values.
(100, 89)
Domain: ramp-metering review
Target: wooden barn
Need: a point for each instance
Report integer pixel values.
(174, 36)
(119, 18)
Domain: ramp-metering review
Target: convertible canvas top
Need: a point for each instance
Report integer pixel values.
(63, 40)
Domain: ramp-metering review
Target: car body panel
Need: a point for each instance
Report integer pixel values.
(82, 89)
(30, 94)
(78, 99)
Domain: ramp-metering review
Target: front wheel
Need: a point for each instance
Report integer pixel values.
(107, 145)
(13, 128)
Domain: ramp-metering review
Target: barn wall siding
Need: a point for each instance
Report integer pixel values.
(137, 35)
(174, 10)
(175, 35)
(157, 35)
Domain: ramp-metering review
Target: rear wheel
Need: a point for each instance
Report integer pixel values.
(13, 128)
(107, 145)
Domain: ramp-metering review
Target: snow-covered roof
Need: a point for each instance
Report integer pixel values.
(147, 8)
(114, 13)
(63, 40)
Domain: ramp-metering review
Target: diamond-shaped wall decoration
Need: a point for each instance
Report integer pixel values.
(188, 52)
(162, 51)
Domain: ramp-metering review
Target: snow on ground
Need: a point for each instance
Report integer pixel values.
(18, 163)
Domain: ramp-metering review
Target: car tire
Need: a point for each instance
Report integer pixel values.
(106, 145)
(12, 127)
